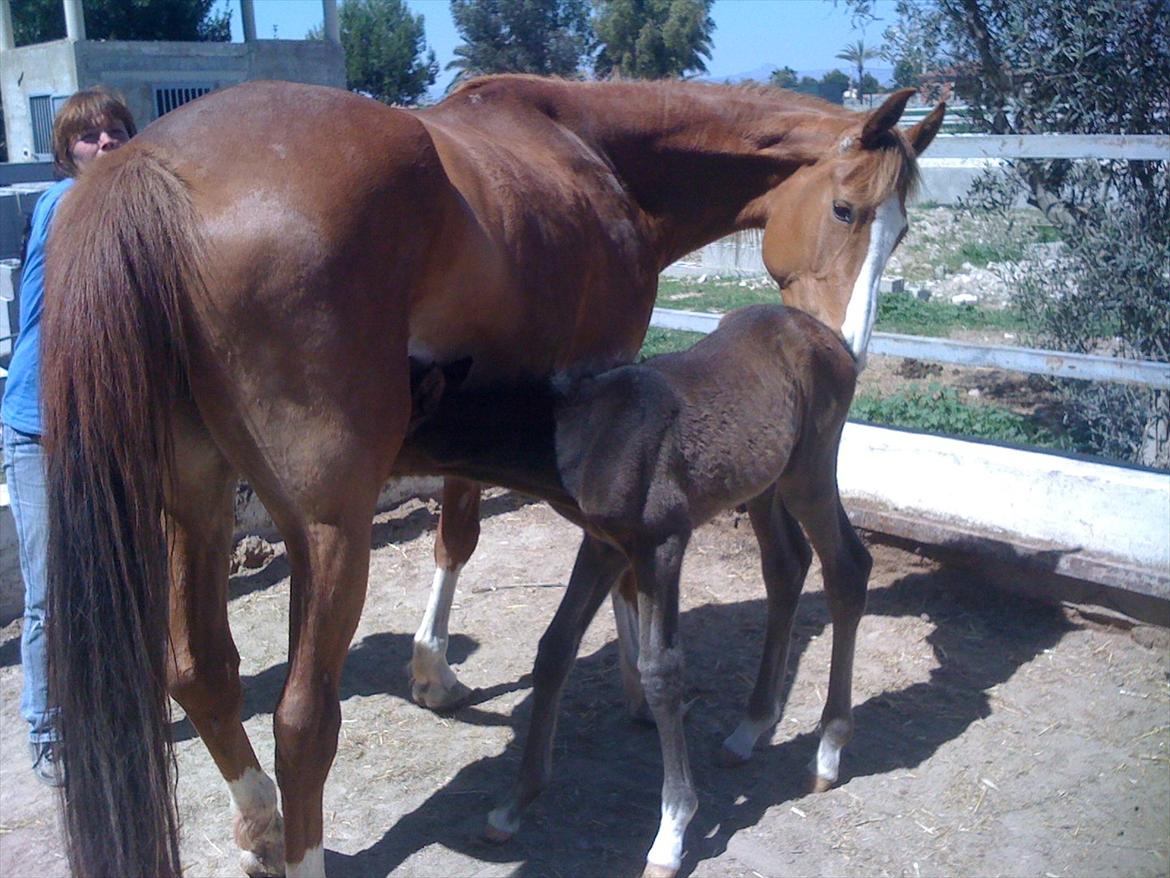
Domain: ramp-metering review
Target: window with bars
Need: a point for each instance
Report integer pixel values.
(42, 110)
(168, 97)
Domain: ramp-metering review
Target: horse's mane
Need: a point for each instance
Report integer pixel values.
(892, 166)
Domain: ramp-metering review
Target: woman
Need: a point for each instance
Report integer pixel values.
(91, 123)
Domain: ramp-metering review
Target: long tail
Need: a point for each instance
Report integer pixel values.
(122, 263)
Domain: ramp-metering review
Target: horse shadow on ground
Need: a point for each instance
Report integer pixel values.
(602, 806)
(393, 531)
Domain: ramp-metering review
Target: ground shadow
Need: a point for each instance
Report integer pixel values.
(10, 650)
(602, 807)
(376, 665)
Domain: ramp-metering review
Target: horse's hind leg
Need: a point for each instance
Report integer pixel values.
(845, 564)
(785, 557)
(625, 616)
(204, 673)
(432, 682)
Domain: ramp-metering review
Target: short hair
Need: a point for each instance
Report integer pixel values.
(84, 110)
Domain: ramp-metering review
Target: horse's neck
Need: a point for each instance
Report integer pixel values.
(699, 160)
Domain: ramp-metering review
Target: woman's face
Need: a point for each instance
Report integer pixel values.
(97, 140)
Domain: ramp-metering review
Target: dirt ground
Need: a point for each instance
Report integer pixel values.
(995, 736)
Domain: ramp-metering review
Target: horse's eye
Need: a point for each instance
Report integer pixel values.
(842, 212)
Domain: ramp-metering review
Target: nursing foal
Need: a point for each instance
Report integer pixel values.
(640, 456)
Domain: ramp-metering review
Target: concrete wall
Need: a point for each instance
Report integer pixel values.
(44, 68)
(136, 68)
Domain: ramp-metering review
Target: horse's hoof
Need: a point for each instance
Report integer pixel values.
(261, 853)
(255, 867)
(441, 700)
(653, 870)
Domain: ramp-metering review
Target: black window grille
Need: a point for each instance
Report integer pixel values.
(168, 97)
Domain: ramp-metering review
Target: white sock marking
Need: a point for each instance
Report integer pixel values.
(667, 849)
(253, 795)
(429, 663)
(312, 866)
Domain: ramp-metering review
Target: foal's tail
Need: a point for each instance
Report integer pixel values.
(122, 263)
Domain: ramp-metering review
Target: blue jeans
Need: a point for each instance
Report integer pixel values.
(24, 470)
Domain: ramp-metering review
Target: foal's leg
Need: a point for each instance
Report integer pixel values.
(660, 662)
(204, 672)
(845, 563)
(625, 616)
(785, 557)
(594, 571)
(432, 682)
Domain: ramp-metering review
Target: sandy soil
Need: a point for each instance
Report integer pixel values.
(995, 736)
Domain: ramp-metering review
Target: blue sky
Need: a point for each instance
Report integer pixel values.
(750, 35)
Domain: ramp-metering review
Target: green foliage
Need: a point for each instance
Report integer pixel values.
(1098, 66)
(938, 409)
(857, 54)
(653, 39)
(549, 37)
(785, 77)
(386, 55)
(39, 21)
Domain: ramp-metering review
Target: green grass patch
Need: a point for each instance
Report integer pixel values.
(938, 409)
(911, 316)
(719, 296)
(666, 341)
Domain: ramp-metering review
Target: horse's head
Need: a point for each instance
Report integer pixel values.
(833, 224)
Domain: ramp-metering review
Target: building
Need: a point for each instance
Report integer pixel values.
(154, 77)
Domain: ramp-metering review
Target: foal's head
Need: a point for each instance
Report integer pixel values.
(833, 224)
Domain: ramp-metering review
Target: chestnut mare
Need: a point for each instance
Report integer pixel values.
(237, 293)
(640, 456)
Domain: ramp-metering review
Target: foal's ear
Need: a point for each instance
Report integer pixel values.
(884, 118)
(921, 134)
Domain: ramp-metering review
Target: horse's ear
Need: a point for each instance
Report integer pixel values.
(921, 134)
(884, 118)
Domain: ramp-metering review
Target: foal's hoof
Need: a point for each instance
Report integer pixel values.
(495, 835)
(441, 699)
(818, 784)
(728, 758)
(653, 870)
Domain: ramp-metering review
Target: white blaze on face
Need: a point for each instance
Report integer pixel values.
(888, 224)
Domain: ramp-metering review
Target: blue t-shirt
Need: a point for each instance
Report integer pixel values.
(21, 408)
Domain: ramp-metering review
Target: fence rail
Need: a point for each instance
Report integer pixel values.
(1056, 364)
(1145, 147)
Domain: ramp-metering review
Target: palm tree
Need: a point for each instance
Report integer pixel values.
(857, 54)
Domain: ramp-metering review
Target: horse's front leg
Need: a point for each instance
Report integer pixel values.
(596, 568)
(433, 684)
(660, 663)
(845, 564)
